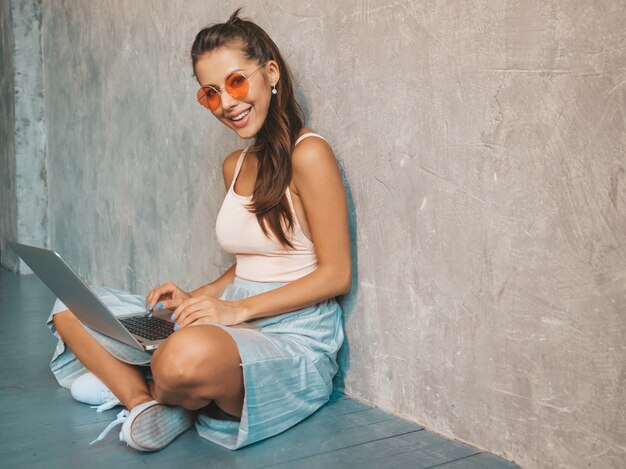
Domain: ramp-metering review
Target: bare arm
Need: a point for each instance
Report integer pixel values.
(216, 287)
(318, 181)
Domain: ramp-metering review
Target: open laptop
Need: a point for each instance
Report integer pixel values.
(137, 330)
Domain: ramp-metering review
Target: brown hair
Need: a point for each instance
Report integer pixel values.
(275, 141)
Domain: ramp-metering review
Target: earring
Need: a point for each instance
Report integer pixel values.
(274, 91)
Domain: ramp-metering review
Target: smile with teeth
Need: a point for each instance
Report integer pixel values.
(240, 116)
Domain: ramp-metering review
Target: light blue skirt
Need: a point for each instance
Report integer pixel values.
(288, 362)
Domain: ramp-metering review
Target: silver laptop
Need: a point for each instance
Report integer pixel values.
(137, 330)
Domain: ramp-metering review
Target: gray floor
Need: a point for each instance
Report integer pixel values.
(42, 426)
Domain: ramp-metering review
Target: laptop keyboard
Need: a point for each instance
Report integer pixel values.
(150, 328)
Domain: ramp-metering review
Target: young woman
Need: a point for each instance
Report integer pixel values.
(254, 351)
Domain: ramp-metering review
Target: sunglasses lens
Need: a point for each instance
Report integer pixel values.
(237, 85)
(208, 97)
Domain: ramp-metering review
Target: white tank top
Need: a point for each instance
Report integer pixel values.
(260, 258)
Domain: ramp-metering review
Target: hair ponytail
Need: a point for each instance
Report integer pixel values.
(275, 141)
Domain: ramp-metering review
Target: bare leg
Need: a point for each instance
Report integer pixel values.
(196, 365)
(124, 380)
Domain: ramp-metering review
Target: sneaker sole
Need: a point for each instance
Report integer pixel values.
(156, 427)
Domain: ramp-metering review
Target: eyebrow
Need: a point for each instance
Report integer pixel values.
(231, 72)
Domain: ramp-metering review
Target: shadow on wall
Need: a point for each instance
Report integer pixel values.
(348, 301)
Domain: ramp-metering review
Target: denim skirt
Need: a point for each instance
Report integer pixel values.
(288, 361)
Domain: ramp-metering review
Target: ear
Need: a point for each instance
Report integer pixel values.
(273, 72)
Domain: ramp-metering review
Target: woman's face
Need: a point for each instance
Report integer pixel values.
(247, 115)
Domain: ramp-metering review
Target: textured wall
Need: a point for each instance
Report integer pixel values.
(484, 144)
(30, 144)
(24, 192)
(8, 201)
(134, 163)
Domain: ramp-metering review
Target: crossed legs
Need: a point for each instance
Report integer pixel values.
(194, 366)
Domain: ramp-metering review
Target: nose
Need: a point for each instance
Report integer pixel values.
(228, 102)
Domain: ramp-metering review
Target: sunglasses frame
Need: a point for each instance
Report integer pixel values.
(220, 90)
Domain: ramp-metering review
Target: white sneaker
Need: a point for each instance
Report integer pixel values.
(150, 426)
(90, 390)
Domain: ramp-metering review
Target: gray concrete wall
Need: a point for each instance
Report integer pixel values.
(8, 201)
(24, 193)
(484, 144)
(134, 162)
(30, 142)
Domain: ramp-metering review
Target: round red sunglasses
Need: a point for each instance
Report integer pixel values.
(237, 85)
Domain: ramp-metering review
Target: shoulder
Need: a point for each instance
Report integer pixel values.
(229, 165)
(313, 160)
(311, 152)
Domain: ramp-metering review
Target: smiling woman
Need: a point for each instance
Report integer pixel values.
(254, 351)
(234, 107)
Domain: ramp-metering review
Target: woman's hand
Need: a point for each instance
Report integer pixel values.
(205, 309)
(165, 296)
